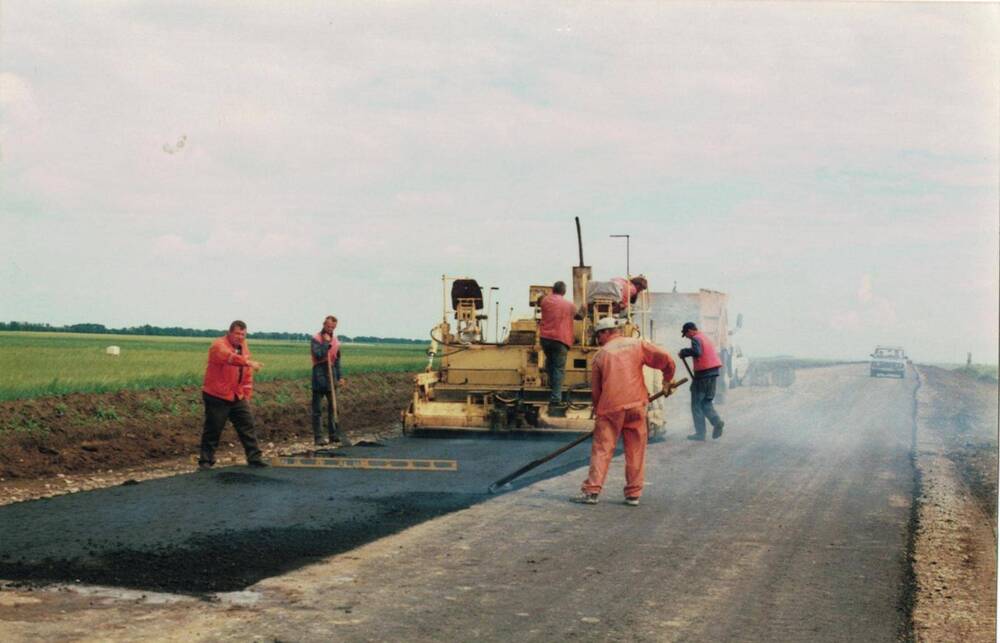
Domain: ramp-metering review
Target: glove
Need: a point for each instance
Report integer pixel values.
(684, 352)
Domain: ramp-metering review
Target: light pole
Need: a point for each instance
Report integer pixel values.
(628, 270)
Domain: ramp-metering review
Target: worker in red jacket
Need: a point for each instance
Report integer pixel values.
(630, 290)
(706, 373)
(619, 393)
(226, 393)
(556, 332)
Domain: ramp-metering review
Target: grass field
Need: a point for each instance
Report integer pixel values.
(984, 372)
(39, 364)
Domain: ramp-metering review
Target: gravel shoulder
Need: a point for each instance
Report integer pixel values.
(955, 545)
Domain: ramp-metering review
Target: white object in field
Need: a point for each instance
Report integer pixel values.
(113, 350)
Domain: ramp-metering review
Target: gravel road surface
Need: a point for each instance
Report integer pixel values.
(793, 526)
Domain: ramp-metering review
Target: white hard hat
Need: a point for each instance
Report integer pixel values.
(605, 323)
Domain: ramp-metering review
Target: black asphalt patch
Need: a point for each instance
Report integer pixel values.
(227, 529)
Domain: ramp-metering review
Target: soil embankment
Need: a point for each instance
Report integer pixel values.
(90, 433)
(954, 553)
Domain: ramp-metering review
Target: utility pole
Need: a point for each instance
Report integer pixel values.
(627, 237)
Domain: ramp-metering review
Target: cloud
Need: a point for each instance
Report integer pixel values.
(871, 312)
(865, 289)
(14, 91)
(744, 146)
(174, 247)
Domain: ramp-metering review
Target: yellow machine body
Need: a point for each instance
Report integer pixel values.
(503, 386)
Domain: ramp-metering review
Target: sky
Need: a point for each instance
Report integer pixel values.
(834, 167)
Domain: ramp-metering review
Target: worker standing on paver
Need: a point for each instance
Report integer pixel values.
(556, 332)
(325, 350)
(630, 289)
(620, 398)
(706, 373)
(226, 393)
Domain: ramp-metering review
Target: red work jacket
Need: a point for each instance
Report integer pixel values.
(709, 358)
(228, 374)
(616, 380)
(331, 355)
(557, 318)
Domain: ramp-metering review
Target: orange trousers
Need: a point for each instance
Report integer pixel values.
(631, 426)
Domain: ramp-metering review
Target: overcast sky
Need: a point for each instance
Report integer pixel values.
(832, 166)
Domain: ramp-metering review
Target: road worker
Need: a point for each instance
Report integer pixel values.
(706, 373)
(226, 393)
(620, 399)
(556, 331)
(325, 350)
(630, 289)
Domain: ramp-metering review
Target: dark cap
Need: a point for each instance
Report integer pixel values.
(688, 326)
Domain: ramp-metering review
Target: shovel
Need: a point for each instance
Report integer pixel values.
(333, 399)
(563, 449)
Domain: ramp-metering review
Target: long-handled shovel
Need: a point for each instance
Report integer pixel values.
(333, 397)
(563, 449)
(687, 368)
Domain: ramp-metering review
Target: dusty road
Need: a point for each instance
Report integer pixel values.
(794, 526)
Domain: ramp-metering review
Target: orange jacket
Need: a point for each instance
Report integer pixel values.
(616, 380)
(228, 374)
(557, 318)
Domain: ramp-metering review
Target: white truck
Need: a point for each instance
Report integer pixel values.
(888, 360)
(707, 308)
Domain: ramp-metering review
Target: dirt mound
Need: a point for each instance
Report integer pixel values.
(82, 433)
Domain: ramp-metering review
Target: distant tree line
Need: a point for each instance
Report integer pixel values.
(177, 331)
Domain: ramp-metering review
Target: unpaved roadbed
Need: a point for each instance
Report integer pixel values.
(954, 557)
(792, 527)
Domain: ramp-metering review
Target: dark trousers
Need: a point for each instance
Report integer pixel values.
(332, 430)
(555, 366)
(217, 412)
(702, 394)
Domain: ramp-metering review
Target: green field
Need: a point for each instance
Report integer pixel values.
(38, 364)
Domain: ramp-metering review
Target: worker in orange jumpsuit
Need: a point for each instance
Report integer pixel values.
(618, 389)
(226, 393)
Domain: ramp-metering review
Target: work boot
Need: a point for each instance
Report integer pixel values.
(586, 498)
(205, 466)
(260, 464)
(557, 410)
(321, 441)
(632, 501)
(698, 437)
(717, 430)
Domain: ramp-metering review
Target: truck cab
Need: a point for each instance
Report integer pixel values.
(888, 360)
(737, 366)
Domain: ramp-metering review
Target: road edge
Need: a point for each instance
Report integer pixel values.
(948, 598)
(911, 584)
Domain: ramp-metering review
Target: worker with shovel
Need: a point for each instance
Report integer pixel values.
(620, 398)
(706, 373)
(325, 349)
